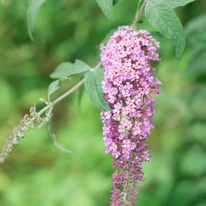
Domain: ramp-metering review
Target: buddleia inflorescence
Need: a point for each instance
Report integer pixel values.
(29, 121)
(129, 85)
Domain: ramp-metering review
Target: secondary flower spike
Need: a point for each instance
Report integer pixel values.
(129, 85)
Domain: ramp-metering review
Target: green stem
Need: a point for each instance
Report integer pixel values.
(66, 94)
(51, 104)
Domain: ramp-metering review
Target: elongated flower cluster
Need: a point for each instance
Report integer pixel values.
(28, 122)
(128, 86)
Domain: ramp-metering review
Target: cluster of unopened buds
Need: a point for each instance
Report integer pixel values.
(129, 86)
(29, 121)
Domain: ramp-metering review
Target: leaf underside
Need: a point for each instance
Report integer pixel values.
(67, 69)
(54, 86)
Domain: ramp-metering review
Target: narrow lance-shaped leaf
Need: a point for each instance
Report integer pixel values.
(176, 3)
(33, 10)
(164, 19)
(107, 8)
(67, 69)
(93, 86)
(53, 138)
(54, 86)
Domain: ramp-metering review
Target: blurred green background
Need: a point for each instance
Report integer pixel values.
(37, 173)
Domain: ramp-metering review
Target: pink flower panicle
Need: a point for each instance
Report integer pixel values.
(128, 86)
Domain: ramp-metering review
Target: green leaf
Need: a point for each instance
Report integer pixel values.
(107, 8)
(33, 10)
(176, 3)
(164, 19)
(53, 138)
(93, 80)
(67, 69)
(54, 86)
(156, 33)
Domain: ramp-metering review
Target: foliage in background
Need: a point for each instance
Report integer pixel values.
(37, 173)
